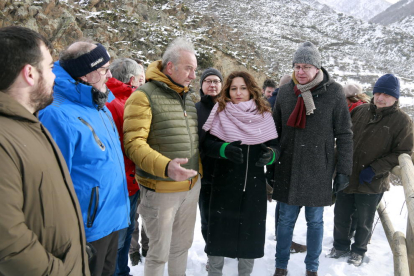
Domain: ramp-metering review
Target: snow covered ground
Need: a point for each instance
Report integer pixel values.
(378, 260)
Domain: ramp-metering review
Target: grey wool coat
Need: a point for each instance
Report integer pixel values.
(303, 174)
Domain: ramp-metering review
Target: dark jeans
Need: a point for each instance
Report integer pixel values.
(346, 204)
(277, 214)
(124, 240)
(204, 205)
(288, 217)
(105, 259)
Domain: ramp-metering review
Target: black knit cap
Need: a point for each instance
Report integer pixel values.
(209, 72)
(86, 63)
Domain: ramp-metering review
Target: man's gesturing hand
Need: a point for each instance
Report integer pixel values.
(178, 173)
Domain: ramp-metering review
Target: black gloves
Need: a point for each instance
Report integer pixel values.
(269, 156)
(233, 152)
(341, 181)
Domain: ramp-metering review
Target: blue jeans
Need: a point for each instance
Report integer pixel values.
(287, 220)
(124, 240)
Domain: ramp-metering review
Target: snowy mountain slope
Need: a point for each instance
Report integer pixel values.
(362, 9)
(395, 13)
(352, 49)
(399, 15)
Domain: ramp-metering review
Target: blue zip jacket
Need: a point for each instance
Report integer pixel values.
(89, 142)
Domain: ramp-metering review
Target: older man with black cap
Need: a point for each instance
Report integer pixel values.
(310, 114)
(382, 131)
(85, 132)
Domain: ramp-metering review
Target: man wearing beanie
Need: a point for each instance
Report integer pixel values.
(210, 87)
(382, 131)
(310, 114)
(85, 132)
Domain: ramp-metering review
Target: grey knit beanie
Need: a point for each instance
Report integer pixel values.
(209, 72)
(307, 53)
(352, 89)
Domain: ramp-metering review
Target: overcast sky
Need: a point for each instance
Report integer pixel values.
(393, 1)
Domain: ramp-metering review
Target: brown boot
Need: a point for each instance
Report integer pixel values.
(311, 273)
(297, 248)
(280, 272)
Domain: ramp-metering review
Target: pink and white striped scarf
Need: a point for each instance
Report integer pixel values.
(241, 122)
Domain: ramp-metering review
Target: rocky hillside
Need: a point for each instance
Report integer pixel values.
(135, 28)
(260, 37)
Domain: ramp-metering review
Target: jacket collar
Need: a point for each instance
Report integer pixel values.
(322, 87)
(120, 90)
(384, 111)
(154, 72)
(9, 107)
(71, 89)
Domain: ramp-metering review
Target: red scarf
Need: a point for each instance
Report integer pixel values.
(298, 117)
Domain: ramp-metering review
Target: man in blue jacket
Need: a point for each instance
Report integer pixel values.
(87, 136)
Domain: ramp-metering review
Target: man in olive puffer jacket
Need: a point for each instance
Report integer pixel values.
(160, 135)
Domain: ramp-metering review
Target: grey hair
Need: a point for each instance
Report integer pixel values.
(124, 68)
(77, 49)
(174, 49)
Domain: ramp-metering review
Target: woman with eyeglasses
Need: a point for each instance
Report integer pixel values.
(241, 135)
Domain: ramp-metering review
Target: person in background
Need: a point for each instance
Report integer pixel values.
(268, 87)
(311, 114)
(160, 135)
(382, 132)
(41, 228)
(126, 76)
(284, 80)
(242, 137)
(134, 248)
(85, 132)
(354, 95)
(210, 88)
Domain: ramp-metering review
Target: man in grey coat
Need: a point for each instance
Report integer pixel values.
(310, 114)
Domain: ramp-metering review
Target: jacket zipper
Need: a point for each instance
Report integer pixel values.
(111, 120)
(182, 100)
(247, 168)
(92, 214)
(97, 140)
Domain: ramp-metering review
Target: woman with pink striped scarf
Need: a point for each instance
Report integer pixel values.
(241, 134)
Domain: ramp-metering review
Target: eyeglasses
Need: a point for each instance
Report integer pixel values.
(103, 70)
(305, 68)
(209, 82)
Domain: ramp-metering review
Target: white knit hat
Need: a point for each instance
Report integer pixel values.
(352, 89)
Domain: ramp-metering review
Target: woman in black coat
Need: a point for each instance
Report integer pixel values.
(241, 134)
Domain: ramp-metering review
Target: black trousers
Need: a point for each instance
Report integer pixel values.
(105, 258)
(346, 204)
(204, 205)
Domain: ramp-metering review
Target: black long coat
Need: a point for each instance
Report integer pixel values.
(238, 204)
(303, 175)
